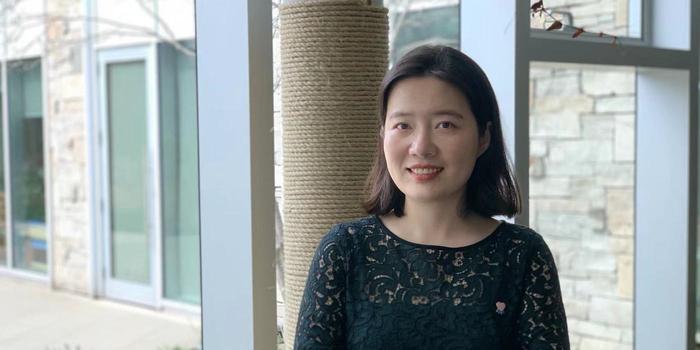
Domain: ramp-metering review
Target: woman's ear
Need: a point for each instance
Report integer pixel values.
(485, 139)
(381, 131)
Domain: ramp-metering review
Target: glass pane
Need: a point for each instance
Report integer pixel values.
(128, 156)
(582, 161)
(179, 172)
(620, 17)
(414, 22)
(27, 164)
(3, 217)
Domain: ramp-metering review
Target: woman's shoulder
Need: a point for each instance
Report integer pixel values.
(526, 249)
(347, 233)
(517, 233)
(522, 239)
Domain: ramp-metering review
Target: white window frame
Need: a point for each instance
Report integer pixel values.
(235, 114)
(667, 87)
(130, 292)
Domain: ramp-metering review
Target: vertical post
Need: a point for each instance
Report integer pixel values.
(661, 210)
(506, 65)
(234, 98)
(693, 171)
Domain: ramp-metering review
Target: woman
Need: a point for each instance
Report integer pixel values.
(430, 268)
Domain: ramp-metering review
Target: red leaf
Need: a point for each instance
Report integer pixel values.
(555, 25)
(578, 32)
(536, 6)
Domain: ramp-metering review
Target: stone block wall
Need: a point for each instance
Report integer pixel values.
(582, 194)
(66, 134)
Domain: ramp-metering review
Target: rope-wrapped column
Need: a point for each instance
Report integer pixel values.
(334, 55)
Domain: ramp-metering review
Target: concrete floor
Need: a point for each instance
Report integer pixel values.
(32, 316)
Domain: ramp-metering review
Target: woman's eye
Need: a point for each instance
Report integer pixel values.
(446, 125)
(401, 126)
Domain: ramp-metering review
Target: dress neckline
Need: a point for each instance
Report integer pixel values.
(491, 236)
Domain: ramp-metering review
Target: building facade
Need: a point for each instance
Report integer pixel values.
(100, 149)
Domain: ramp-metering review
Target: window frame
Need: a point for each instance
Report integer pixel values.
(240, 306)
(508, 66)
(9, 268)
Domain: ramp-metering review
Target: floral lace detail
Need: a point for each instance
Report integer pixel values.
(369, 289)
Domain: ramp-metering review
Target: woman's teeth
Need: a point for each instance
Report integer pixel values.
(423, 171)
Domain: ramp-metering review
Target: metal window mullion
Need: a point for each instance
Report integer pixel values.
(91, 134)
(693, 185)
(104, 267)
(6, 168)
(521, 145)
(46, 142)
(572, 51)
(6, 148)
(153, 104)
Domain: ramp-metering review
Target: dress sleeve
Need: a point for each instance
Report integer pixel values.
(321, 323)
(542, 320)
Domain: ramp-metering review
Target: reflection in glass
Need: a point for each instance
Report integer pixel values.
(128, 156)
(582, 161)
(27, 164)
(416, 22)
(179, 172)
(611, 17)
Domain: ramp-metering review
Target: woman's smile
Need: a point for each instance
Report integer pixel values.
(424, 173)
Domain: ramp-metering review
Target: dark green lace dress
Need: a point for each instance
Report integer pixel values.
(369, 289)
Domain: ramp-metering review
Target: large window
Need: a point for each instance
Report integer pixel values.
(27, 164)
(619, 17)
(418, 22)
(128, 162)
(581, 198)
(602, 137)
(179, 162)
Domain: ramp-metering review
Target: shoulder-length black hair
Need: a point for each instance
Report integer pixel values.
(492, 188)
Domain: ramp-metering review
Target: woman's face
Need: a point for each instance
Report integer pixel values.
(431, 139)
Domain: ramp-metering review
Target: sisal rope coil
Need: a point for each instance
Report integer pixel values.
(334, 55)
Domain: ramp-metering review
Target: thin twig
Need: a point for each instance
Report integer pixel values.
(538, 8)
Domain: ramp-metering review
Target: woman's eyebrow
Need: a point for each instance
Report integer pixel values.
(399, 114)
(436, 113)
(448, 112)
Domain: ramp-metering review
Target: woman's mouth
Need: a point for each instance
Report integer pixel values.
(424, 174)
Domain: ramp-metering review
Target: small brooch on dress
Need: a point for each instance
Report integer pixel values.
(500, 307)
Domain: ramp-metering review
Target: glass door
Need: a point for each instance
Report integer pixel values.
(128, 167)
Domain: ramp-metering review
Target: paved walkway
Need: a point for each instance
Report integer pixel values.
(33, 317)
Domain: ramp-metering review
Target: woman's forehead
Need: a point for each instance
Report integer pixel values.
(429, 93)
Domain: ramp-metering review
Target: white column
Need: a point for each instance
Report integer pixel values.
(661, 210)
(234, 96)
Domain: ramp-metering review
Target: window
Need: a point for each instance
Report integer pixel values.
(620, 17)
(180, 195)
(582, 152)
(25, 115)
(415, 22)
(128, 161)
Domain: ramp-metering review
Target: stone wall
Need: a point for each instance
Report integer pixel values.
(67, 147)
(581, 194)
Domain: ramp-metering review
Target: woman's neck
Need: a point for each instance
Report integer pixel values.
(439, 223)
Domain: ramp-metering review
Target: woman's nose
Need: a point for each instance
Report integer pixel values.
(422, 145)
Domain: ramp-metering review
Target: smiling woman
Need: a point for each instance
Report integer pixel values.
(430, 267)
